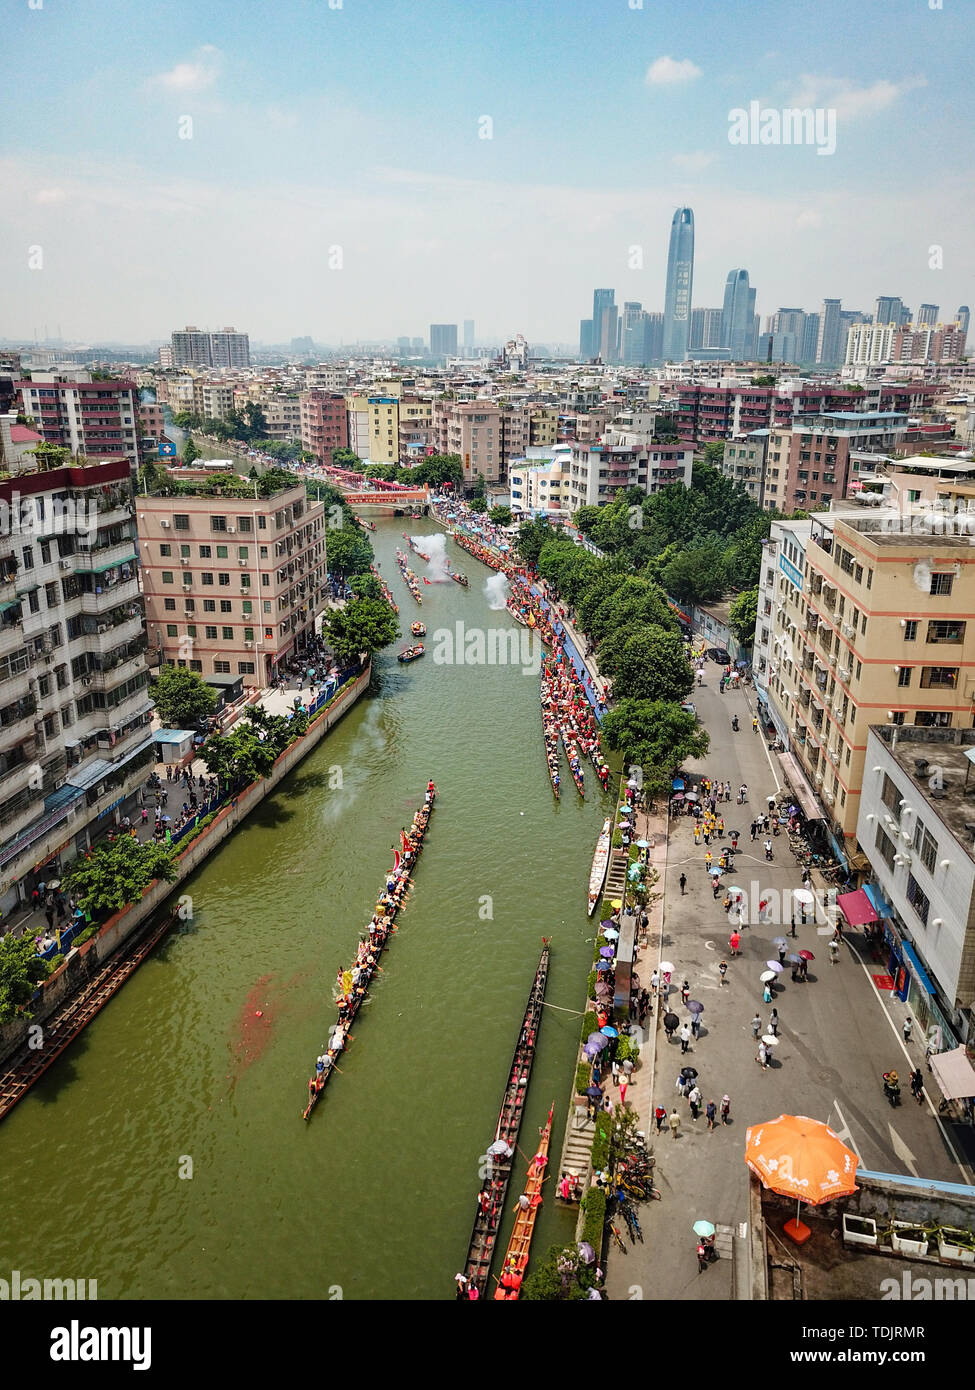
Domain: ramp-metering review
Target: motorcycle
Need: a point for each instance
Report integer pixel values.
(892, 1088)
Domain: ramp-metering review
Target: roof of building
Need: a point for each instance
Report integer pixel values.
(20, 434)
(940, 771)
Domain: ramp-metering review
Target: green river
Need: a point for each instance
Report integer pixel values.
(375, 1196)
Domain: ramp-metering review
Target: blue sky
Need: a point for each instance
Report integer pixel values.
(358, 127)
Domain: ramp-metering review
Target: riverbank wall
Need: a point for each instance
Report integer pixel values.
(82, 963)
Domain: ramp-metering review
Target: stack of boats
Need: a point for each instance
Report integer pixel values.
(409, 578)
(567, 718)
(353, 984)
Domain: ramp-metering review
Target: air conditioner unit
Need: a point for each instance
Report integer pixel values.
(59, 785)
(66, 564)
(844, 673)
(906, 836)
(241, 560)
(231, 530)
(184, 559)
(832, 658)
(248, 645)
(849, 631)
(167, 524)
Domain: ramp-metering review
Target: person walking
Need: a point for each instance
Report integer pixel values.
(654, 982)
(756, 1025)
(694, 1101)
(685, 1038)
(659, 1115)
(768, 849)
(696, 1026)
(683, 884)
(782, 948)
(767, 994)
(716, 889)
(762, 1057)
(742, 793)
(669, 1029)
(702, 1258)
(674, 1122)
(711, 1115)
(685, 992)
(917, 1085)
(754, 723)
(726, 1110)
(773, 1023)
(723, 970)
(734, 943)
(908, 1028)
(754, 828)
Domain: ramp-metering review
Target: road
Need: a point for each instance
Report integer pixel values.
(838, 1033)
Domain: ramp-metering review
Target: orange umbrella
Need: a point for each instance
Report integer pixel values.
(802, 1158)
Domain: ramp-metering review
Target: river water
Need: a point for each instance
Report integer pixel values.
(165, 1156)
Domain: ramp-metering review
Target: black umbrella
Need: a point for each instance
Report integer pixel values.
(689, 1072)
(595, 1092)
(671, 1020)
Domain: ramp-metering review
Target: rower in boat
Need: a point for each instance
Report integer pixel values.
(411, 653)
(418, 629)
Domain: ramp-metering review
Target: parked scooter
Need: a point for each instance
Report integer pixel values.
(892, 1088)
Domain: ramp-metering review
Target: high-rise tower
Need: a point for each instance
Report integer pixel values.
(680, 285)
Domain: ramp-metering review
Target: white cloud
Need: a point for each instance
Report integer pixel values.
(848, 100)
(50, 195)
(668, 70)
(694, 162)
(809, 218)
(194, 76)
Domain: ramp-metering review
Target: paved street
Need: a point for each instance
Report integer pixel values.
(838, 1035)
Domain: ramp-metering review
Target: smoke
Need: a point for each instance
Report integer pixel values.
(436, 547)
(496, 591)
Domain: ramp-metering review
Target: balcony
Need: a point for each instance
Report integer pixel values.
(100, 599)
(100, 559)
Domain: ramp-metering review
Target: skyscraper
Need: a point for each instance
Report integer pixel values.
(605, 325)
(193, 348)
(443, 340)
(738, 317)
(927, 316)
(680, 286)
(962, 319)
(810, 337)
(633, 334)
(890, 309)
(705, 329)
(468, 335)
(653, 337)
(830, 347)
(585, 340)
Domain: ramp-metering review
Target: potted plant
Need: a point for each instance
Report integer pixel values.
(956, 1244)
(908, 1238)
(859, 1230)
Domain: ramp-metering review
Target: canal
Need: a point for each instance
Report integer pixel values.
(165, 1156)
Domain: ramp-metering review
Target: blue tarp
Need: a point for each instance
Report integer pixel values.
(917, 969)
(880, 904)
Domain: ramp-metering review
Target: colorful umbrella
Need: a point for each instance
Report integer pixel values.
(715, 871)
(604, 965)
(677, 784)
(703, 1228)
(779, 941)
(643, 844)
(775, 966)
(677, 796)
(615, 902)
(594, 1091)
(597, 1041)
(792, 958)
(806, 955)
(606, 952)
(609, 1032)
(667, 967)
(802, 1158)
(694, 1007)
(610, 933)
(608, 923)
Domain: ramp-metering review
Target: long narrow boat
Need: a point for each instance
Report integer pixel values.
(491, 1198)
(385, 590)
(378, 931)
(409, 578)
(520, 1240)
(572, 751)
(600, 863)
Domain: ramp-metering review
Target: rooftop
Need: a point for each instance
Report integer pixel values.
(938, 756)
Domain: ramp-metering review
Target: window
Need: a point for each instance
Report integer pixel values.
(227, 634)
(206, 552)
(246, 607)
(191, 629)
(181, 521)
(242, 552)
(898, 717)
(904, 675)
(221, 668)
(946, 631)
(189, 604)
(932, 719)
(167, 576)
(245, 668)
(184, 551)
(941, 583)
(218, 523)
(196, 666)
(170, 605)
(262, 523)
(207, 577)
(939, 677)
(172, 630)
(267, 605)
(269, 632)
(210, 633)
(244, 523)
(910, 630)
(248, 634)
(917, 898)
(224, 578)
(165, 551)
(209, 605)
(222, 552)
(926, 846)
(885, 845)
(226, 606)
(890, 796)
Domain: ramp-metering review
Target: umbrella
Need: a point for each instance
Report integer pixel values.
(803, 895)
(606, 952)
(54, 883)
(774, 966)
(604, 965)
(691, 796)
(590, 1052)
(733, 888)
(770, 1040)
(703, 1228)
(609, 1032)
(634, 784)
(802, 1158)
(608, 923)
(806, 955)
(677, 796)
(615, 902)
(779, 941)
(643, 844)
(694, 1006)
(689, 1072)
(593, 1091)
(500, 1146)
(767, 976)
(597, 1041)
(715, 872)
(610, 933)
(667, 967)
(586, 1253)
(671, 1020)
(633, 873)
(792, 958)
(677, 784)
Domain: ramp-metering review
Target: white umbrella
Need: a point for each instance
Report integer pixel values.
(633, 783)
(770, 1040)
(666, 968)
(767, 976)
(803, 895)
(775, 966)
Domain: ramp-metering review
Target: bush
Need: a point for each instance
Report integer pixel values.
(583, 1078)
(626, 1050)
(84, 936)
(590, 1023)
(601, 1141)
(594, 1205)
(591, 985)
(54, 962)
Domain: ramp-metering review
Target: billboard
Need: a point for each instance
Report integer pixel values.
(166, 449)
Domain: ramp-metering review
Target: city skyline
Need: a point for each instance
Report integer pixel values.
(455, 206)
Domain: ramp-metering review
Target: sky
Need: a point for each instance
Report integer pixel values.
(358, 169)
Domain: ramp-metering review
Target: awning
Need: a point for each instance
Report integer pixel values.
(918, 971)
(87, 777)
(761, 696)
(10, 603)
(838, 850)
(880, 904)
(112, 565)
(811, 808)
(857, 908)
(954, 1073)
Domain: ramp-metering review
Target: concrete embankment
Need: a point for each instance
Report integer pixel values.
(81, 964)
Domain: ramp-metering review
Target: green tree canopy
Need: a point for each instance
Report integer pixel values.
(190, 452)
(348, 551)
(501, 516)
(365, 586)
(364, 625)
(114, 875)
(651, 665)
(656, 735)
(20, 971)
(743, 615)
(696, 575)
(532, 535)
(347, 458)
(182, 697)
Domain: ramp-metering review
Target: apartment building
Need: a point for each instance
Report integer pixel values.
(326, 378)
(540, 486)
(598, 473)
(872, 626)
(810, 464)
(744, 463)
(473, 429)
(544, 426)
(193, 348)
(283, 415)
(417, 432)
(74, 709)
(233, 586)
(94, 418)
(324, 422)
(213, 400)
(373, 427)
(151, 420)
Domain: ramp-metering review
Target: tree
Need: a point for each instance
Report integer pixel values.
(190, 452)
(713, 452)
(50, 456)
(657, 735)
(743, 615)
(256, 420)
(20, 970)
(240, 756)
(696, 575)
(437, 469)
(766, 379)
(112, 876)
(347, 458)
(532, 535)
(651, 665)
(501, 516)
(347, 551)
(365, 586)
(742, 560)
(478, 493)
(182, 697)
(364, 625)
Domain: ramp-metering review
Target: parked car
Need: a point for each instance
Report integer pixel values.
(688, 707)
(719, 655)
